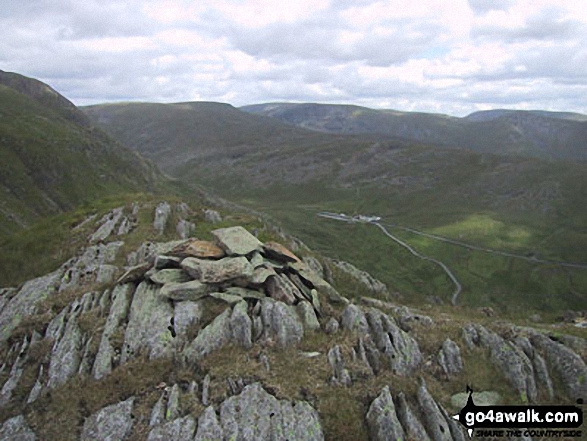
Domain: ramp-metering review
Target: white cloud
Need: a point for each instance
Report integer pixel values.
(454, 56)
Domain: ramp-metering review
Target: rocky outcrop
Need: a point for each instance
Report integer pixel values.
(340, 374)
(236, 241)
(111, 423)
(16, 429)
(382, 419)
(371, 285)
(449, 358)
(162, 213)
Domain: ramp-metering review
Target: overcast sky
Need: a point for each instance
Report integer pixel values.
(448, 56)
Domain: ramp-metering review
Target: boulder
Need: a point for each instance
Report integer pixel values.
(135, 273)
(179, 429)
(111, 423)
(202, 249)
(340, 374)
(261, 274)
(184, 228)
(434, 421)
(382, 419)
(331, 326)
(353, 319)
(244, 293)
(281, 289)
(192, 290)
(164, 276)
(108, 222)
(66, 355)
(16, 429)
(211, 338)
(280, 323)
(449, 358)
(276, 251)
(412, 426)
(162, 213)
(186, 314)
(218, 271)
(241, 325)
(209, 428)
(236, 241)
(212, 216)
(308, 316)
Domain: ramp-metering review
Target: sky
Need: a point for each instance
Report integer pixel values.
(443, 56)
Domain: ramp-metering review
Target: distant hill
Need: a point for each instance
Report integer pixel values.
(540, 134)
(53, 158)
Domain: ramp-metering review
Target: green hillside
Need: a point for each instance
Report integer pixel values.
(53, 158)
(550, 135)
(525, 206)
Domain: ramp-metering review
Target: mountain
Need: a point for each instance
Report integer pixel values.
(540, 134)
(512, 204)
(54, 158)
(145, 334)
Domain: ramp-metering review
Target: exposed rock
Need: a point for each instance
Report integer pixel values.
(16, 429)
(254, 414)
(172, 411)
(236, 241)
(412, 426)
(202, 249)
(209, 428)
(308, 316)
(382, 419)
(164, 276)
(228, 298)
(515, 365)
(192, 290)
(317, 282)
(353, 319)
(108, 222)
(118, 311)
(14, 377)
(281, 323)
(186, 314)
(449, 358)
(331, 326)
(566, 363)
(542, 375)
(276, 251)
(241, 325)
(25, 301)
(372, 285)
(206, 390)
(314, 265)
(125, 227)
(407, 318)
(256, 259)
(162, 213)
(470, 336)
(281, 289)
(340, 374)
(212, 216)
(218, 271)
(434, 421)
(35, 392)
(106, 273)
(147, 329)
(66, 355)
(158, 412)
(135, 273)
(179, 429)
(245, 293)
(261, 274)
(167, 262)
(184, 228)
(211, 338)
(111, 423)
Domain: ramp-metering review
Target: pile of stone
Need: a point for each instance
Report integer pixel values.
(236, 266)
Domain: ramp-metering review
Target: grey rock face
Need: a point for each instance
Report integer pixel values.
(108, 223)
(169, 275)
(16, 429)
(66, 355)
(281, 323)
(192, 290)
(211, 338)
(109, 424)
(321, 285)
(218, 271)
(241, 325)
(308, 316)
(331, 326)
(512, 361)
(245, 293)
(147, 330)
(25, 301)
(179, 429)
(256, 415)
(172, 411)
(186, 314)
(162, 213)
(411, 424)
(449, 358)
(280, 288)
(382, 419)
(212, 216)
(340, 374)
(209, 428)
(434, 420)
(184, 228)
(372, 285)
(236, 241)
(566, 363)
(353, 319)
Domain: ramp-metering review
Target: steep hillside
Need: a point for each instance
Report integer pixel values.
(527, 133)
(519, 205)
(53, 158)
(171, 134)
